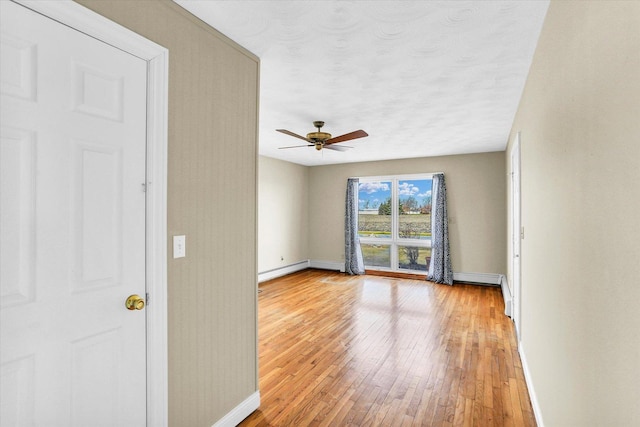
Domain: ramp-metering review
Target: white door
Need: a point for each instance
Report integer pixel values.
(72, 211)
(516, 232)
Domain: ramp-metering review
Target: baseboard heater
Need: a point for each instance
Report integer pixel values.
(282, 271)
(478, 278)
(506, 295)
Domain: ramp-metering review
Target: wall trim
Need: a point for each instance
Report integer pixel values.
(240, 412)
(327, 265)
(486, 278)
(282, 271)
(298, 266)
(506, 295)
(537, 413)
(95, 25)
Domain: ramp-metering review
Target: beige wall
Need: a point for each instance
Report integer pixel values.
(283, 214)
(476, 206)
(580, 122)
(213, 90)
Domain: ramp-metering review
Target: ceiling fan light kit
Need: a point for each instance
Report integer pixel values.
(321, 140)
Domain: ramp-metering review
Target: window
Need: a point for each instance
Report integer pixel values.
(394, 222)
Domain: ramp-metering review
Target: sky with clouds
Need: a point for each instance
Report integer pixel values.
(377, 192)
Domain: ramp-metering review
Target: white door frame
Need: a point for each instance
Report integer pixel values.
(86, 21)
(516, 233)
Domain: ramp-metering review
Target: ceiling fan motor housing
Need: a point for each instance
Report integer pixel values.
(318, 136)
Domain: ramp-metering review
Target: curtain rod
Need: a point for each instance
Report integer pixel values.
(399, 176)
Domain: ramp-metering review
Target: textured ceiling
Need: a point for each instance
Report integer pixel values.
(423, 78)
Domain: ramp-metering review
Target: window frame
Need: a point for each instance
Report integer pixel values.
(396, 241)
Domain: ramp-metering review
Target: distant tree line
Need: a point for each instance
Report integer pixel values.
(410, 204)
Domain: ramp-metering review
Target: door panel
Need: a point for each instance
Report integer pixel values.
(17, 177)
(72, 221)
(97, 208)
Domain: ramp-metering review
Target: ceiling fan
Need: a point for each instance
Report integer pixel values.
(321, 140)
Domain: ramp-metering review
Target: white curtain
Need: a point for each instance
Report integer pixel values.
(353, 262)
(440, 267)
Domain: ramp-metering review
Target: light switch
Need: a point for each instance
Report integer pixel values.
(179, 246)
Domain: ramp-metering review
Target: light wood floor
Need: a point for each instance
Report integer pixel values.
(338, 350)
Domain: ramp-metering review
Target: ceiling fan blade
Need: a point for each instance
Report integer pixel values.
(287, 132)
(347, 136)
(337, 147)
(296, 146)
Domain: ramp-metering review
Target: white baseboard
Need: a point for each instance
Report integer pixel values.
(327, 265)
(506, 295)
(487, 278)
(282, 271)
(537, 413)
(240, 412)
(302, 265)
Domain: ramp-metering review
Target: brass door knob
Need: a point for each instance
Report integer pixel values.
(134, 302)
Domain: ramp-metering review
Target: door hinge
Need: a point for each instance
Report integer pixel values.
(522, 233)
(144, 187)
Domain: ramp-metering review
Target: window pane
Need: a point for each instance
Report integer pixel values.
(414, 208)
(376, 255)
(374, 209)
(413, 258)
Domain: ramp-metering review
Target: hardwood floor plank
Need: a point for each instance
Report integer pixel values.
(338, 350)
(362, 407)
(339, 408)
